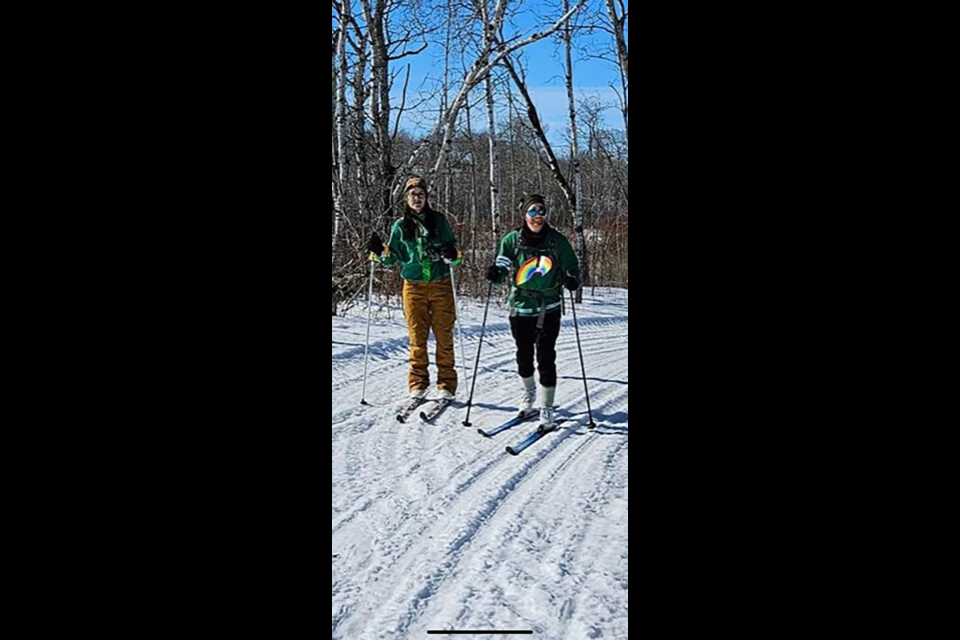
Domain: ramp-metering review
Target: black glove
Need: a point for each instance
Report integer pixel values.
(449, 252)
(375, 245)
(571, 283)
(493, 273)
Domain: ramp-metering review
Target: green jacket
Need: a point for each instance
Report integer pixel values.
(536, 274)
(419, 254)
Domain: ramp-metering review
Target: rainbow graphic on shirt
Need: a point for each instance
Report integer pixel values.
(534, 266)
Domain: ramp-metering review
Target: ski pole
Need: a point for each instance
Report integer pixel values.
(576, 327)
(476, 367)
(366, 348)
(456, 304)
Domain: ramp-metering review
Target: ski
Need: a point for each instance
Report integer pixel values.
(533, 438)
(509, 424)
(438, 407)
(408, 408)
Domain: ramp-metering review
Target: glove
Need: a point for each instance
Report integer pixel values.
(571, 283)
(493, 273)
(375, 246)
(449, 252)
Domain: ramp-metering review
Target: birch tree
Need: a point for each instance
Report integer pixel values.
(340, 81)
(491, 54)
(575, 153)
(618, 20)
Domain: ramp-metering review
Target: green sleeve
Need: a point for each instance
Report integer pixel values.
(398, 250)
(508, 249)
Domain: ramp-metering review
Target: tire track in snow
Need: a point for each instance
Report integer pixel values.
(595, 333)
(601, 602)
(422, 571)
(550, 486)
(568, 363)
(379, 518)
(389, 438)
(354, 465)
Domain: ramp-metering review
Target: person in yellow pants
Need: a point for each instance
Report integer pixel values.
(424, 246)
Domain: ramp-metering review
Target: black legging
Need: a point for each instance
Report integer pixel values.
(525, 334)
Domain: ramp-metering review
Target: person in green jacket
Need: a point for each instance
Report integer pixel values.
(539, 261)
(424, 246)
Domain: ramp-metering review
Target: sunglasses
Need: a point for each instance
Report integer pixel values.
(535, 211)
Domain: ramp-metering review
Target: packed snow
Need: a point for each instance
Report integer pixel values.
(435, 527)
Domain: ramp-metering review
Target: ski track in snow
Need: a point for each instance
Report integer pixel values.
(436, 527)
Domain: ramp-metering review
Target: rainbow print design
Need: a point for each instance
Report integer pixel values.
(534, 266)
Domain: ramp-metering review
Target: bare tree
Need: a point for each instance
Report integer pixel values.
(575, 152)
(378, 118)
(388, 44)
(488, 45)
(359, 128)
(484, 62)
(445, 94)
(618, 19)
(473, 181)
(340, 81)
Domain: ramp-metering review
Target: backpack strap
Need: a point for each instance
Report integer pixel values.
(550, 250)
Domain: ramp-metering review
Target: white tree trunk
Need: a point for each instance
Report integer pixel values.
(376, 18)
(359, 128)
(618, 20)
(444, 96)
(341, 107)
(473, 184)
(494, 161)
(575, 154)
(333, 151)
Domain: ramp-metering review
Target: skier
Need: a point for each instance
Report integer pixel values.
(539, 259)
(423, 244)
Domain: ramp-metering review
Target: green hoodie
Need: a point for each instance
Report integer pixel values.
(419, 254)
(536, 269)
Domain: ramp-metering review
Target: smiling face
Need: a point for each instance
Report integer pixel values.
(536, 217)
(417, 199)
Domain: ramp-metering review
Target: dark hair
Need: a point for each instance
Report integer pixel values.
(410, 225)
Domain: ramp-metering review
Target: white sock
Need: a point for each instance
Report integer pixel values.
(547, 395)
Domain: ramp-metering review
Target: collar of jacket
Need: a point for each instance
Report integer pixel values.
(532, 239)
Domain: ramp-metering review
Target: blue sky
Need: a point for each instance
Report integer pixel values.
(543, 61)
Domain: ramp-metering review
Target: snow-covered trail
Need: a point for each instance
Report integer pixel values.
(436, 527)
